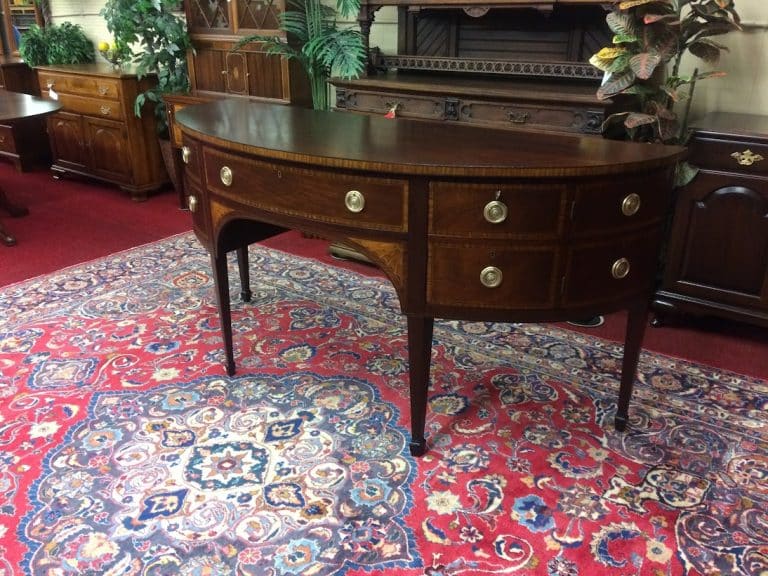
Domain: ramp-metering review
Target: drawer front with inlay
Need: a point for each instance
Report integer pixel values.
(612, 270)
(491, 275)
(602, 206)
(321, 196)
(497, 210)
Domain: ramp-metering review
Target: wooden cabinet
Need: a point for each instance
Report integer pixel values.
(97, 133)
(18, 16)
(512, 64)
(215, 28)
(717, 258)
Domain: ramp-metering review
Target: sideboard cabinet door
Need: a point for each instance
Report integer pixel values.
(717, 255)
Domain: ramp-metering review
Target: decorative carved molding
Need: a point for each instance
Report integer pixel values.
(571, 70)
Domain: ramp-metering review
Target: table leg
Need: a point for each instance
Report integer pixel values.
(245, 277)
(637, 318)
(419, 358)
(221, 282)
(15, 211)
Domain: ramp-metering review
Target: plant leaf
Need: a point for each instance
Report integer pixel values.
(644, 64)
(616, 84)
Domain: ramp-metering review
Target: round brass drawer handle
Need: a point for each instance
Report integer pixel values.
(620, 268)
(491, 277)
(192, 203)
(354, 201)
(631, 204)
(186, 154)
(226, 175)
(495, 212)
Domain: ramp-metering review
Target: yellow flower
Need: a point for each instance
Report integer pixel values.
(103, 46)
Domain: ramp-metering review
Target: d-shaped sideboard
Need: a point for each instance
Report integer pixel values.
(467, 223)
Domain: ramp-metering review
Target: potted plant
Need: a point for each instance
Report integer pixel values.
(318, 43)
(65, 43)
(153, 35)
(642, 65)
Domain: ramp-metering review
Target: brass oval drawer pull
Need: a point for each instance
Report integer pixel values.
(491, 277)
(192, 203)
(106, 110)
(103, 90)
(354, 201)
(226, 175)
(186, 154)
(631, 204)
(746, 158)
(495, 212)
(620, 268)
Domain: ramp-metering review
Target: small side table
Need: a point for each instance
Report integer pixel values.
(15, 107)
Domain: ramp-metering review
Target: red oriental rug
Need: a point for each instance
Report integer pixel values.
(127, 450)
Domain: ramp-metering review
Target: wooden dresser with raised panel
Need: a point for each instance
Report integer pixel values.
(717, 258)
(97, 133)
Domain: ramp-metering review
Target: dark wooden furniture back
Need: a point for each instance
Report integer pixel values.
(508, 226)
(503, 64)
(717, 261)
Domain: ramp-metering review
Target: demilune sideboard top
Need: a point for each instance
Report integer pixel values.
(507, 226)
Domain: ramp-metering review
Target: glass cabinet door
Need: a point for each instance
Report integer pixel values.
(259, 15)
(209, 16)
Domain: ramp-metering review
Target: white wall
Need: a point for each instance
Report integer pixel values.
(745, 89)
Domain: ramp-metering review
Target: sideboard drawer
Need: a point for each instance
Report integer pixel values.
(603, 207)
(92, 106)
(457, 271)
(330, 196)
(730, 156)
(531, 116)
(408, 106)
(97, 87)
(612, 270)
(497, 210)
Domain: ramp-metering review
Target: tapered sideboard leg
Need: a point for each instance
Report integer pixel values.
(637, 318)
(221, 281)
(245, 277)
(419, 356)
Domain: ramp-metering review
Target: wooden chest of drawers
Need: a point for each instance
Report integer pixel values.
(717, 259)
(97, 133)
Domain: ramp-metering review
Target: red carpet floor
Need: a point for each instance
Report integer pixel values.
(75, 220)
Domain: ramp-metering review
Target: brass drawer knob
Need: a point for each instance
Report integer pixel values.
(186, 154)
(192, 203)
(354, 201)
(620, 268)
(746, 158)
(491, 277)
(103, 90)
(495, 212)
(226, 175)
(631, 204)
(105, 110)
